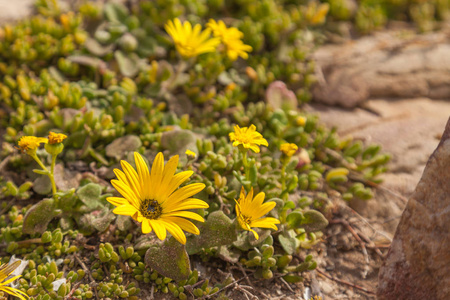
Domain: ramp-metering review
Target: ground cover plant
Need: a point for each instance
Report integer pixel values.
(141, 140)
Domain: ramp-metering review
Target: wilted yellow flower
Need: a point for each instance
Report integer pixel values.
(56, 138)
(231, 38)
(249, 212)
(189, 41)
(190, 153)
(29, 144)
(288, 149)
(5, 271)
(153, 198)
(316, 14)
(248, 138)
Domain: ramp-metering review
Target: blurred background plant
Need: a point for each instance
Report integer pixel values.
(370, 15)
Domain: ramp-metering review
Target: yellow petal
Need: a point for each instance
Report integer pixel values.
(176, 232)
(175, 182)
(146, 228)
(117, 201)
(167, 176)
(186, 204)
(15, 292)
(265, 223)
(185, 214)
(184, 224)
(259, 199)
(156, 175)
(263, 209)
(11, 279)
(185, 192)
(125, 210)
(159, 228)
(255, 234)
(7, 269)
(126, 192)
(144, 175)
(133, 179)
(125, 180)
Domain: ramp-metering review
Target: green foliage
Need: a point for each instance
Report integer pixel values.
(110, 78)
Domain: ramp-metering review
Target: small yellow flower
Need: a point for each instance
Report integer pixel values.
(154, 199)
(248, 138)
(236, 48)
(5, 271)
(288, 149)
(189, 41)
(56, 138)
(221, 31)
(231, 38)
(301, 121)
(29, 144)
(190, 153)
(249, 212)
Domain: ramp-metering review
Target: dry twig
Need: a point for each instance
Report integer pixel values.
(69, 295)
(358, 239)
(287, 285)
(345, 282)
(85, 269)
(225, 287)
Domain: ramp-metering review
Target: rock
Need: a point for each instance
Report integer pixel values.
(416, 266)
(406, 128)
(177, 141)
(121, 146)
(14, 10)
(278, 96)
(386, 64)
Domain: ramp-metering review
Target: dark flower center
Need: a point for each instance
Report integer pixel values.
(151, 209)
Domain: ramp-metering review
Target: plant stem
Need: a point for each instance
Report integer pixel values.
(49, 174)
(283, 182)
(52, 174)
(36, 158)
(245, 162)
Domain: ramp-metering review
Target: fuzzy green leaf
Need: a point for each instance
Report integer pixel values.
(218, 230)
(313, 221)
(170, 260)
(38, 216)
(90, 195)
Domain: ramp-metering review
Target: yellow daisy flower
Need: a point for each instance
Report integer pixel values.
(236, 48)
(231, 38)
(29, 144)
(56, 138)
(5, 271)
(288, 149)
(189, 41)
(249, 212)
(153, 198)
(248, 138)
(221, 31)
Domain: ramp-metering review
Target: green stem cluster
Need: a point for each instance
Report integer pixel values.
(50, 173)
